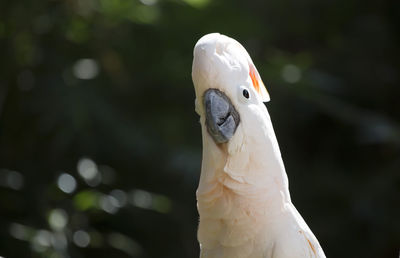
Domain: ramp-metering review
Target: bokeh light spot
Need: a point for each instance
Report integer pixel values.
(59, 241)
(161, 204)
(11, 179)
(66, 183)
(141, 199)
(124, 243)
(291, 73)
(148, 2)
(197, 3)
(85, 200)
(15, 180)
(58, 219)
(120, 196)
(81, 238)
(19, 231)
(88, 170)
(43, 238)
(85, 69)
(109, 204)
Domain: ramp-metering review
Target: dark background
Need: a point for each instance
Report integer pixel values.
(100, 147)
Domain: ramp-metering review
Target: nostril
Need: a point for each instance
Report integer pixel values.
(222, 120)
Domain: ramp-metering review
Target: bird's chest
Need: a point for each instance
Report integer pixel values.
(231, 224)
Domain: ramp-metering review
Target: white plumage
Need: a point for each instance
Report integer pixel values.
(243, 195)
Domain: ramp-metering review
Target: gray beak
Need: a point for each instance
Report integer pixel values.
(222, 119)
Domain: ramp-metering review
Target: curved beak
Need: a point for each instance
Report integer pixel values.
(222, 119)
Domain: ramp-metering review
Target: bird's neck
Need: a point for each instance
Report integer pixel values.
(228, 187)
(234, 213)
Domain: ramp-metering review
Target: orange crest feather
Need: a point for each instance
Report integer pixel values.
(258, 83)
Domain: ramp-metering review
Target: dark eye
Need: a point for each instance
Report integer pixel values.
(246, 94)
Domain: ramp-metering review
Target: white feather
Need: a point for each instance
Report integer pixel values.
(243, 194)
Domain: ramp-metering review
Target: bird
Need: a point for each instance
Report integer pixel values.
(243, 199)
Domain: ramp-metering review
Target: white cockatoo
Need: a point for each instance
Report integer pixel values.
(243, 196)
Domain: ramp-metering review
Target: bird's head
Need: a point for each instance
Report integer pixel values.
(227, 85)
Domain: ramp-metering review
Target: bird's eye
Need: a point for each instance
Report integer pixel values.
(246, 94)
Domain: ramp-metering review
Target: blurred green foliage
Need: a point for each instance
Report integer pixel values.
(100, 148)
